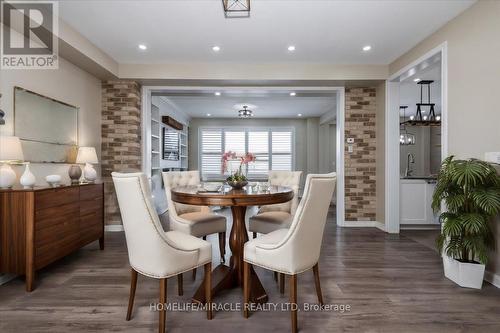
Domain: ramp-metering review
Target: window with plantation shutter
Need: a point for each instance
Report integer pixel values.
(211, 153)
(272, 147)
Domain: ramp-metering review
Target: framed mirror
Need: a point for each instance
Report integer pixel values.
(48, 128)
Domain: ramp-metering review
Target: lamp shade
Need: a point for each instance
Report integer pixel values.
(10, 149)
(86, 155)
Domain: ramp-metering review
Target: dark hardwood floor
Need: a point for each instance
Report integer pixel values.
(391, 283)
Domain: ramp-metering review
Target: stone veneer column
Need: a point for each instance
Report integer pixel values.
(360, 170)
(121, 138)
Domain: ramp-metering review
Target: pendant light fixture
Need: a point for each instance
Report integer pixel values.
(245, 112)
(432, 114)
(405, 138)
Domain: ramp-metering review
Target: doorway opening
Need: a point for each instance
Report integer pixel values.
(314, 117)
(416, 140)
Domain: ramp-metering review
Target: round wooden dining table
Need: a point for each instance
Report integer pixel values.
(227, 277)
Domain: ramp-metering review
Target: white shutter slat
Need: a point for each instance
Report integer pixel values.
(211, 141)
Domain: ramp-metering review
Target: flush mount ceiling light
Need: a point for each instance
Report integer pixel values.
(416, 79)
(236, 8)
(245, 112)
(142, 47)
(367, 48)
(216, 48)
(209, 114)
(293, 93)
(299, 115)
(291, 48)
(217, 93)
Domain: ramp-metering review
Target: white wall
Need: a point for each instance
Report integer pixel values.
(69, 84)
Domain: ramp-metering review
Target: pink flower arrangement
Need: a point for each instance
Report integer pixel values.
(230, 155)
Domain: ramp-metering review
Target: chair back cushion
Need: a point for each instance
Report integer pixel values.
(150, 252)
(284, 178)
(174, 179)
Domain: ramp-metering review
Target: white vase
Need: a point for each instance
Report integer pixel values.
(89, 173)
(468, 275)
(27, 179)
(7, 176)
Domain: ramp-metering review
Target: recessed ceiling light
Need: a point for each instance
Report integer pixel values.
(416, 79)
(293, 93)
(291, 48)
(142, 47)
(217, 93)
(209, 114)
(367, 48)
(299, 115)
(216, 48)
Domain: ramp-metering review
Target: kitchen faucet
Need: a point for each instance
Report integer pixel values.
(410, 159)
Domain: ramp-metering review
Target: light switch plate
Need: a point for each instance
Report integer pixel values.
(493, 157)
(350, 149)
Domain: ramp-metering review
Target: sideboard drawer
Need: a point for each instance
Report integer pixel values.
(91, 206)
(56, 197)
(58, 233)
(90, 192)
(50, 217)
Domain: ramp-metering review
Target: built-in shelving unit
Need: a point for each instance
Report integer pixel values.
(155, 141)
(154, 161)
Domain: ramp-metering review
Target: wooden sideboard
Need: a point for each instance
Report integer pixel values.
(40, 225)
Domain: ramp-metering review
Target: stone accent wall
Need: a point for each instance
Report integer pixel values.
(121, 138)
(360, 166)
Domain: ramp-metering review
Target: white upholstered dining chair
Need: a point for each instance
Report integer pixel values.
(297, 249)
(279, 216)
(198, 221)
(153, 252)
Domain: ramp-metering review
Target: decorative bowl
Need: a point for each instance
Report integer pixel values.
(53, 180)
(237, 185)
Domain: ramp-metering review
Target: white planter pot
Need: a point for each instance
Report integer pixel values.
(464, 274)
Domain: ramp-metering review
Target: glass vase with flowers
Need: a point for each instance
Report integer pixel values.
(236, 179)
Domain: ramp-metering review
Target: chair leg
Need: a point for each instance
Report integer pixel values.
(254, 235)
(293, 301)
(317, 283)
(180, 280)
(222, 246)
(208, 289)
(246, 288)
(133, 285)
(282, 283)
(163, 301)
(194, 273)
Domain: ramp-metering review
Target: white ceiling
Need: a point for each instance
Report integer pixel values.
(263, 104)
(323, 31)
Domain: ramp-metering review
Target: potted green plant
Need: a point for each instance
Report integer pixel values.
(470, 190)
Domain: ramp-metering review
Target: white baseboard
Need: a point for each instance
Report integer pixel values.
(113, 227)
(4, 278)
(364, 224)
(492, 278)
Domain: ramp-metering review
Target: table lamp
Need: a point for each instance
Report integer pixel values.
(10, 152)
(88, 156)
